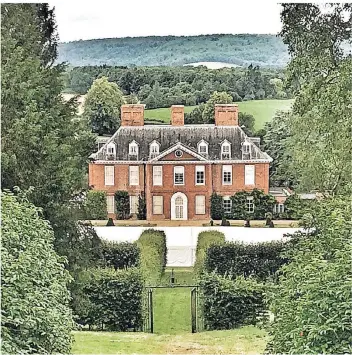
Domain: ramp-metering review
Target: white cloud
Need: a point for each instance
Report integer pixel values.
(105, 19)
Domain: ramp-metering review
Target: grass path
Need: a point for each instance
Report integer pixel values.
(246, 340)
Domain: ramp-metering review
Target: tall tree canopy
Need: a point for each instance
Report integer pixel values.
(320, 73)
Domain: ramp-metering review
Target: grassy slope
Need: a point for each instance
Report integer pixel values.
(262, 110)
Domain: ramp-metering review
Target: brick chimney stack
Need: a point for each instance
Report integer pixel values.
(226, 115)
(177, 115)
(132, 115)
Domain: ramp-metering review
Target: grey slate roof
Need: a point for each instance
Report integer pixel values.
(188, 135)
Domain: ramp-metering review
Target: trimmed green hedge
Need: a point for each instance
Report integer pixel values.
(120, 255)
(260, 260)
(95, 205)
(113, 299)
(228, 304)
(205, 240)
(122, 205)
(153, 254)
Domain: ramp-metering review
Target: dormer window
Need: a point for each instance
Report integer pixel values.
(203, 147)
(226, 150)
(154, 149)
(246, 147)
(133, 149)
(111, 150)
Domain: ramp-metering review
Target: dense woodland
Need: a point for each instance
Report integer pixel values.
(241, 49)
(166, 86)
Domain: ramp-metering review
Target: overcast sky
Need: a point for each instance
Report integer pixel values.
(105, 19)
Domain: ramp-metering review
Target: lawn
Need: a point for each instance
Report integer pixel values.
(245, 340)
(262, 110)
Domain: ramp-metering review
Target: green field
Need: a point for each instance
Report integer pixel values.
(262, 110)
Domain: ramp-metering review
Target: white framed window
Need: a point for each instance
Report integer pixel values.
(227, 174)
(133, 148)
(133, 204)
(227, 204)
(200, 175)
(179, 175)
(154, 149)
(200, 204)
(157, 175)
(111, 148)
(250, 204)
(246, 147)
(279, 208)
(203, 147)
(158, 204)
(109, 172)
(249, 175)
(134, 175)
(110, 204)
(226, 150)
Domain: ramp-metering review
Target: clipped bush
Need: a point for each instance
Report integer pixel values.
(229, 304)
(110, 223)
(95, 205)
(216, 207)
(122, 203)
(260, 260)
(120, 255)
(115, 298)
(142, 207)
(153, 254)
(205, 240)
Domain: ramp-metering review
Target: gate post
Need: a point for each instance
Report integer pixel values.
(194, 309)
(150, 308)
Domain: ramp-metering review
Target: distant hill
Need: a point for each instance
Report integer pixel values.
(264, 50)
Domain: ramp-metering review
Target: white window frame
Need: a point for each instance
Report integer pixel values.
(179, 170)
(133, 175)
(203, 144)
(246, 148)
(110, 203)
(249, 174)
(200, 204)
(157, 175)
(154, 149)
(226, 199)
(133, 206)
(250, 204)
(228, 153)
(158, 202)
(133, 148)
(111, 148)
(199, 169)
(226, 169)
(109, 175)
(279, 208)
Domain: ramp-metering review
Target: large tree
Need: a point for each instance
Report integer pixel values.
(320, 74)
(102, 106)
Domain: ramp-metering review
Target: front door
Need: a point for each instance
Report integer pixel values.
(179, 206)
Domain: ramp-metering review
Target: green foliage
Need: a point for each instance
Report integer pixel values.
(208, 114)
(115, 298)
(102, 106)
(142, 207)
(153, 253)
(295, 207)
(216, 207)
(35, 313)
(95, 205)
(240, 49)
(248, 121)
(231, 303)
(122, 205)
(260, 260)
(120, 255)
(110, 223)
(312, 302)
(205, 240)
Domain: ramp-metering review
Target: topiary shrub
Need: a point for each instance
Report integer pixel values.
(216, 206)
(120, 255)
(110, 223)
(229, 304)
(122, 203)
(95, 205)
(142, 207)
(205, 240)
(153, 254)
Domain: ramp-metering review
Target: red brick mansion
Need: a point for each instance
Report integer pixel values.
(178, 166)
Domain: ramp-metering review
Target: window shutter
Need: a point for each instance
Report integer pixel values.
(157, 204)
(157, 175)
(200, 204)
(249, 173)
(110, 203)
(134, 175)
(109, 175)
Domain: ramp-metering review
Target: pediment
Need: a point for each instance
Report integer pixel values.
(179, 152)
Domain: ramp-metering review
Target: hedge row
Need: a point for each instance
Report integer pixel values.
(94, 206)
(260, 260)
(228, 303)
(153, 253)
(120, 255)
(205, 240)
(113, 299)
